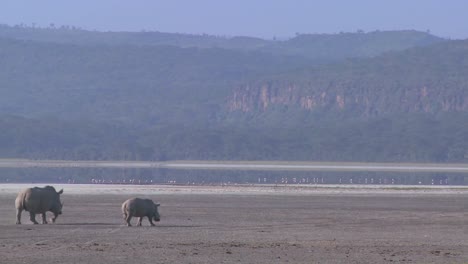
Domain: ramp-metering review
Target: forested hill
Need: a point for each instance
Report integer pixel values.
(135, 85)
(320, 47)
(97, 100)
(335, 47)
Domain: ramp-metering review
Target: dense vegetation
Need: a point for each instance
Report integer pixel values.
(125, 83)
(93, 95)
(405, 138)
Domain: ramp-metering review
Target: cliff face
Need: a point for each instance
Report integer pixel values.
(361, 101)
(421, 80)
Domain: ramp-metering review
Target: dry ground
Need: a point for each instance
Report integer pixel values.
(228, 227)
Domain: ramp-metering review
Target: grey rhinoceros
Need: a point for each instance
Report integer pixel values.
(38, 201)
(140, 208)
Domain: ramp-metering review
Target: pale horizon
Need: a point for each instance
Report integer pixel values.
(261, 18)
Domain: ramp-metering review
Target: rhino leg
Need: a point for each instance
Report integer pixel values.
(18, 216)
(32, 216)
(139, 221)
(44, 220)
(127, 219)
(151, 221)
(54, 218)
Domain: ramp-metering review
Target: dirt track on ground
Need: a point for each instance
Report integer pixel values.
(400, 227)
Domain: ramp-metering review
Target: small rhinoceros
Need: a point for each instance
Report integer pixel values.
(38, 201)
(140, 208)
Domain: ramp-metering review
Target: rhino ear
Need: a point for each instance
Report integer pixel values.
(157, 204)
(60, 192)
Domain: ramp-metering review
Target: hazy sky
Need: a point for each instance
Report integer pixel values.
(262, 18)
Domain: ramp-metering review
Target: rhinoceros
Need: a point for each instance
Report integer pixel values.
(38, 201)
(140, 208)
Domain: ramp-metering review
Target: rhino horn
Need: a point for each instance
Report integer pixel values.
(60, 192)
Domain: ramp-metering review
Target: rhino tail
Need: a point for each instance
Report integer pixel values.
(19, 203)
(24, 204)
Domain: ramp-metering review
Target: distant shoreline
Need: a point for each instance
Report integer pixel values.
(240, 165)
(245, 189)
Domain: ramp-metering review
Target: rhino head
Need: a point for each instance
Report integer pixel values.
(57, 206)
(156, 215)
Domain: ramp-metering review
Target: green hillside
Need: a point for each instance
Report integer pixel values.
(93, 99)
(129, 84)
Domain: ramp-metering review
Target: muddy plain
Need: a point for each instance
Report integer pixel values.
(235, 227)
